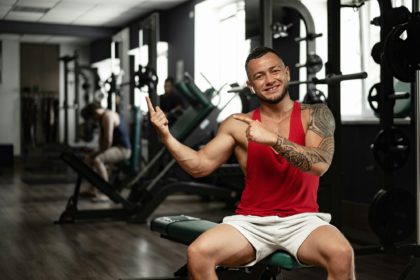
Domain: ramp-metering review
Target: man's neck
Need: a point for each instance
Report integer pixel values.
(278, 110)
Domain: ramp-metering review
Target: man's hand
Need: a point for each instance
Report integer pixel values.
(158, 120)
(257, 132)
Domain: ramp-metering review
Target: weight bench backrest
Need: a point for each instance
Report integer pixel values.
(82, 169)
(189, 120)
(185, 229)
(200, 108)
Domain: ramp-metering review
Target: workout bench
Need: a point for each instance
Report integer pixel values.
(185, 229)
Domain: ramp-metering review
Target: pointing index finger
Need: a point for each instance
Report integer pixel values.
(244, 119)
(150, 105)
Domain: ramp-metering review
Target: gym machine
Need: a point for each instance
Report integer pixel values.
(148, 190)
(84, 76)
(392, 210)
(392, 214)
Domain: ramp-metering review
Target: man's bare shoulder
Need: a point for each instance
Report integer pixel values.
(316, 106)
(319, 118)
(109, 117)
(232, 126)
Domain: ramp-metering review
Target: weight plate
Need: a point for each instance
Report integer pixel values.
(391, 149)
(392, 215)
(313, 63)
(373, 97)
(397, 54)
(314, 96)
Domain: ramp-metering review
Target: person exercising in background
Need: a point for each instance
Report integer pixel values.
(114, 142)
(283, 147)
(171, 102)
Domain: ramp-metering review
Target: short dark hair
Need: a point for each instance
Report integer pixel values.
(259, 52)
(170, 79)
(89, 110)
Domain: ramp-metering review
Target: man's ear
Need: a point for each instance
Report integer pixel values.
(251, 88)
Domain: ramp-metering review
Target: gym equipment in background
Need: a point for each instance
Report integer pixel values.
(193, 128)
(394, 211)
(84, 77)
(401, 97)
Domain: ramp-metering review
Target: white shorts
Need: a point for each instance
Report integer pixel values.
(272, 233)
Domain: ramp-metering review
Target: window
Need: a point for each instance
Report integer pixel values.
(354, 48)
(222, 63)
(358, 36)
(141, 57)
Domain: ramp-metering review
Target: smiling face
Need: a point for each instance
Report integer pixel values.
(268, 77)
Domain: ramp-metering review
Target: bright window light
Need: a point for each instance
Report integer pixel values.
(220, 64)
(141, 57)
(358, 37)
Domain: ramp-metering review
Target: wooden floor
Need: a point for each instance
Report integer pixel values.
(33, 247)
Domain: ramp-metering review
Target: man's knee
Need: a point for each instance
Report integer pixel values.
(341, 259)
(199, 252)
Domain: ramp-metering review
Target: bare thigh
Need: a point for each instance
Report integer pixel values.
(317, 247)
(114, 155)
(226, 246)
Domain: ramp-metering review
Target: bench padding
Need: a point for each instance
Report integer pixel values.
(185, 229)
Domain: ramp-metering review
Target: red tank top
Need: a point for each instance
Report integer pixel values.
(273, 187)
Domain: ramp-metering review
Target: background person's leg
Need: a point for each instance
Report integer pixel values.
(110, 156)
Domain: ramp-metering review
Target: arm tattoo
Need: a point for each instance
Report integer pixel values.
(321, 120)
(322, 123)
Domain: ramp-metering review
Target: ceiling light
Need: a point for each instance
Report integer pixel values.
(28, 9)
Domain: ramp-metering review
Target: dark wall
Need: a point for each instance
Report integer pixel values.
(39, 67)
(177, 28)
(100, 50)
(361, 176)
(39, 81)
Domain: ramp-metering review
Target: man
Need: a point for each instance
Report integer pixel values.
(114, 142)
(282, 147)
(171, 102)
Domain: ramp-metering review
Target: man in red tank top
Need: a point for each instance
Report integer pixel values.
(283, 147)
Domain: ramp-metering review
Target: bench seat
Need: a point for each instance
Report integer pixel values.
(185, 229)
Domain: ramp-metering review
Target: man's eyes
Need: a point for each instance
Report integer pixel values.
(273, 71)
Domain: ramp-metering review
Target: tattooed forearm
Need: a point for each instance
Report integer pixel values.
(327, 146)
(305, 157)
(320, 122)
(289, 151)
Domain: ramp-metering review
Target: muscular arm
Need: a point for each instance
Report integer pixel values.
(315, 157)
(204, 161)
(196, 163)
